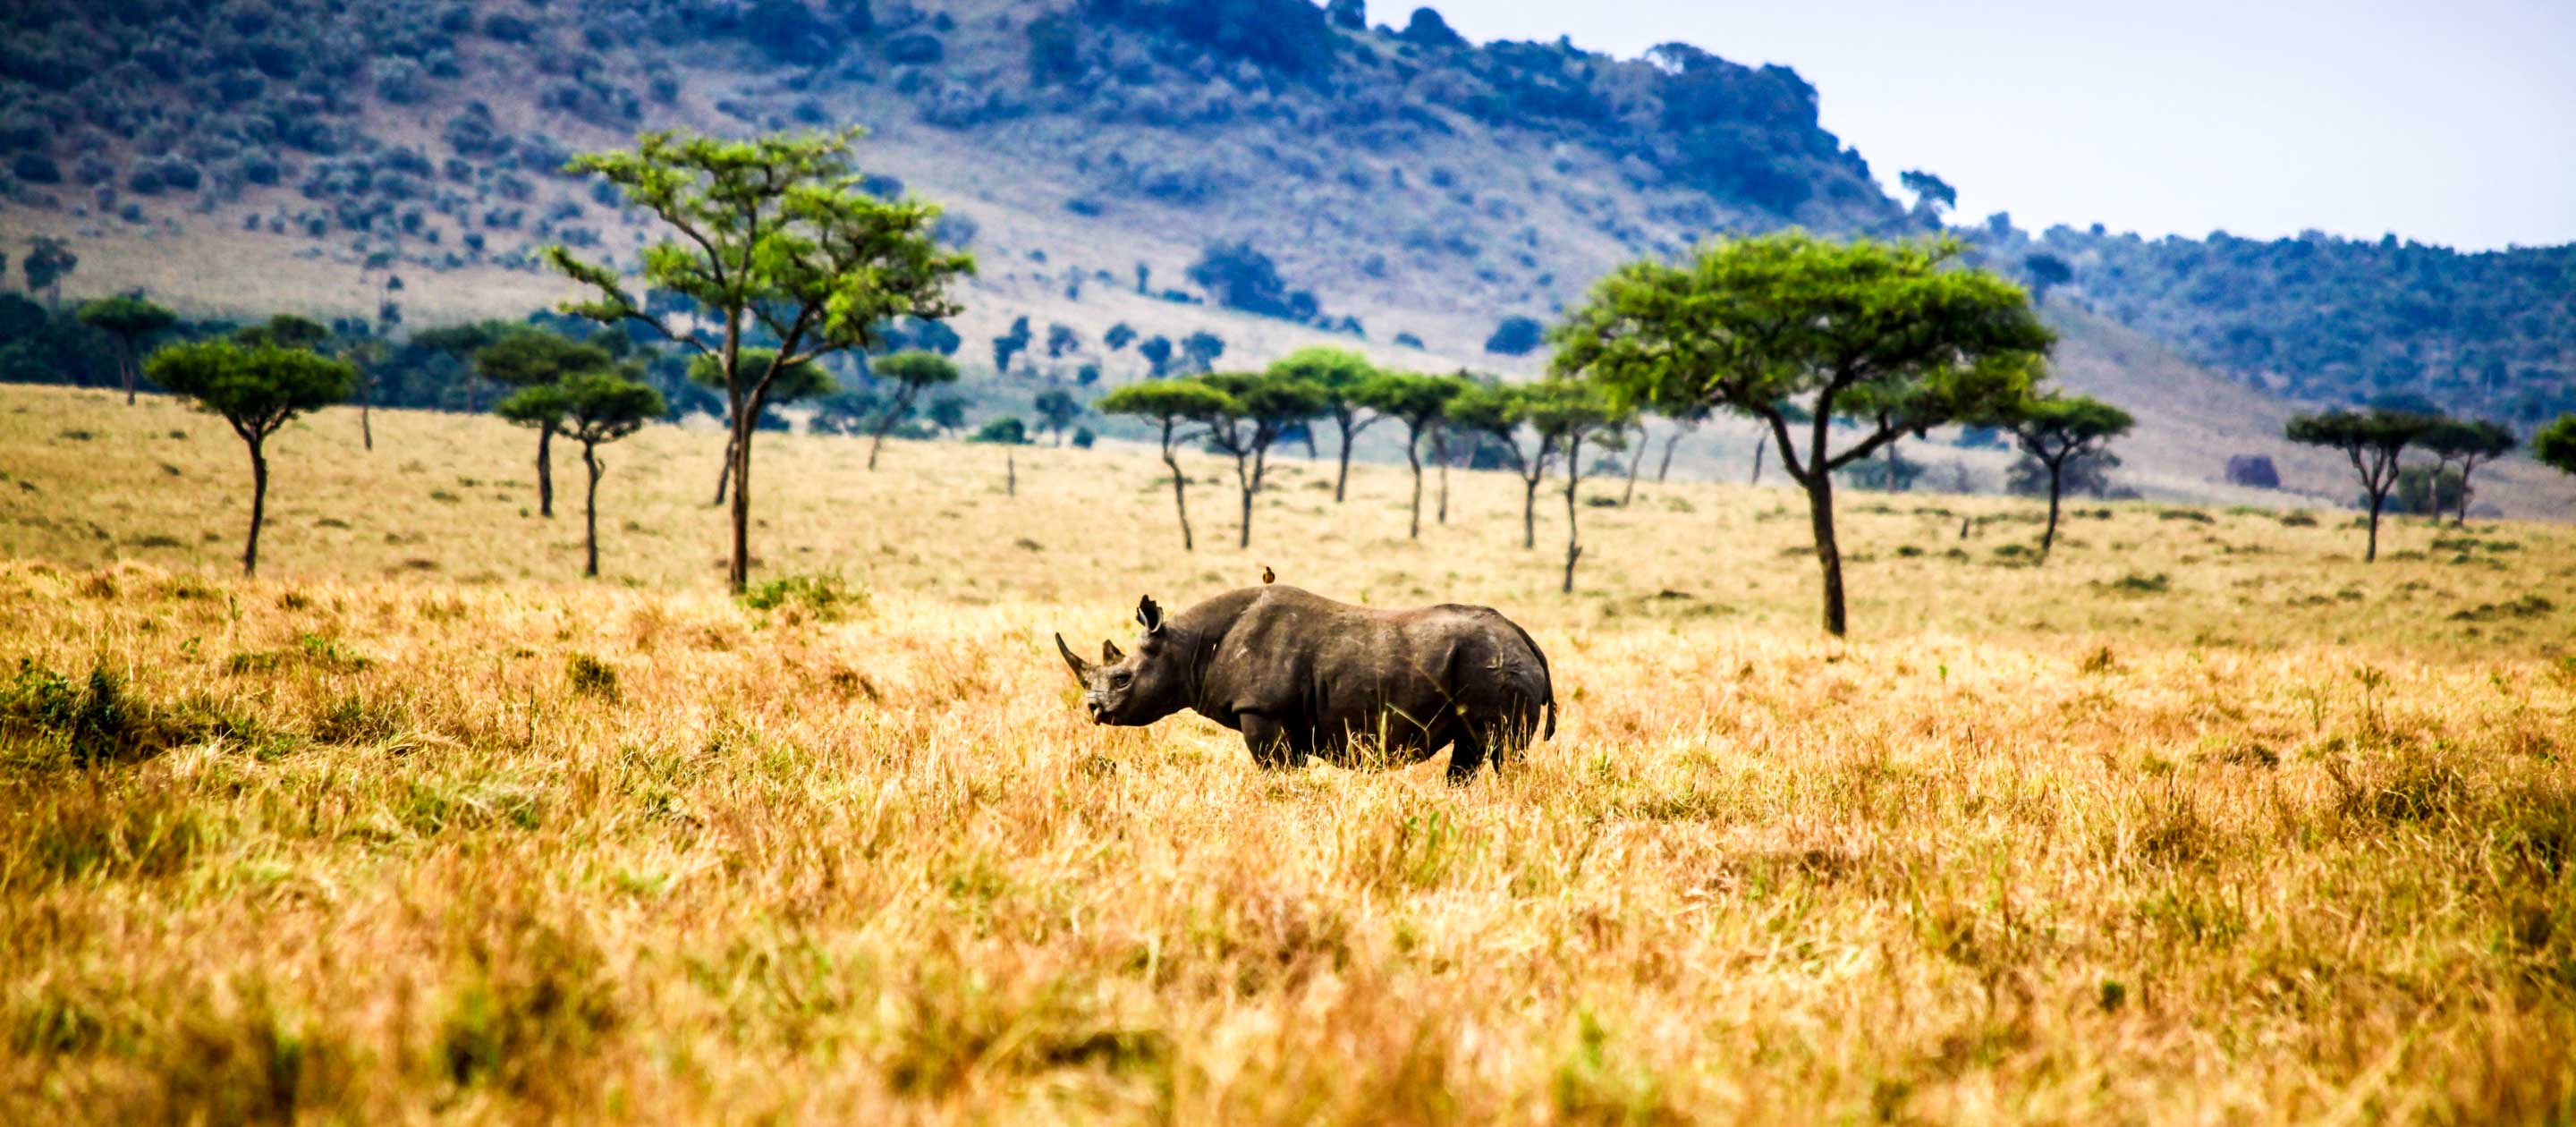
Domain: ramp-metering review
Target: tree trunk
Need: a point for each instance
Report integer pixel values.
(1820, 514)
(1529, 511)
(885, 422)
(546, 471)
(131, 370)
(1759, 445)
(258, 506)
(1573, 550)
(590, 510)
(1635, 461)
(2462, 517)
(2056, 480)
(739, 573)
(366, 426)
(1666, 469)
(1413, 457)
(1010, 473)
(1440, 455)
(1892, 485)
(725, 475)
(1180, 491)
(1342, 477)
(2378, 498)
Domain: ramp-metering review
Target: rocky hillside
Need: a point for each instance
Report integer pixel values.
(1385, 185)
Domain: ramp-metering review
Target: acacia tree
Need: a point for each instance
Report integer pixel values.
(2555, 445)
(131, 319)
(1564, 413)
(1056, 409)
(1176, 408)
(1417, 401)
(2371, 440)
(2055, 430)
(795, 383)
(601, 407)
(534, 361)
(912, 371)
(256, 388)
(1258, 408)
(776, 234)
(1891, 337)
(1341, 373)
(2467, 442)
(47, 262)
(1495, 410)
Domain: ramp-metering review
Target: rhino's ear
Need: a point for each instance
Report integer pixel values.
(1109, 652)
(1081, 668)
(1149, 614)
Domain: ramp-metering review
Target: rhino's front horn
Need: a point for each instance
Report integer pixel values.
(1081, 668)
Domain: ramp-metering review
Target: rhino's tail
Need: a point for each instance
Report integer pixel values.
(1544, 674)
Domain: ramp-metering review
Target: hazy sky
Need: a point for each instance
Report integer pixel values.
(2445, 122)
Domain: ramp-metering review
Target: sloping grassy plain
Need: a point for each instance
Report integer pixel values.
(2204, 820)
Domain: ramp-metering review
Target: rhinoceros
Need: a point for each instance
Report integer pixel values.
(1299, 674)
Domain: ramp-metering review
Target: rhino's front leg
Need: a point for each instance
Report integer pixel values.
(1267, 739)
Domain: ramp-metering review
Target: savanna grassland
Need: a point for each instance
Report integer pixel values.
(2203, 820)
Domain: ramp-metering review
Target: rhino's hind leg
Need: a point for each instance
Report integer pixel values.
(1466, 755)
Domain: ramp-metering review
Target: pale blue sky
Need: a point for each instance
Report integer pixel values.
(2446, 122)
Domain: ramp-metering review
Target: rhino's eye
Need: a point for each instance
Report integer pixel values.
(1119, 681)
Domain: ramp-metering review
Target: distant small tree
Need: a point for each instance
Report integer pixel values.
(948, 414)
(2054, 429)
(1177, 409)
(1057, 409)
(2371, 440)
(256, 389)
(1258, 409)
(1516, 335)
(1499, 412)
(1340, 372)
(1932, 194)
(2466, 443)
(1005, 431)
(1200, 349)
(2046, 272)
(1417, 401)
(285, 330)
(1010, 345)
(1565, 413)
(132, 320)
(912, 373)
(796, 383)
(1157, 351)
(1237, 276)
(1061, 339)
(534, 361)
(1348, 15)
(48, 261)
(2430, 491)
(1119, 336)
(600, 408)
(2555, 445)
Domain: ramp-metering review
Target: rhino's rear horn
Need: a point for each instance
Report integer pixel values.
(1080, 667)
(1149, 614)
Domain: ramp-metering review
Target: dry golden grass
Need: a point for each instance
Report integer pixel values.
(2204, 820)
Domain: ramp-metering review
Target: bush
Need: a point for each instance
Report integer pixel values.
(36, 168)
(1516, 335)
(1240, 277)
(915, 49)
(824, 595)
(1008, 430)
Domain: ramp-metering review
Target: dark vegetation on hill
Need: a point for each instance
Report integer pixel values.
(1324, 156)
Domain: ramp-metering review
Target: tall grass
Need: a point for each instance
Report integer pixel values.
(2034, 845)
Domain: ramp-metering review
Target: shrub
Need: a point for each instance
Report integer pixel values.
(36, 168)
(1008, 430)
(1516, 335)
(591, 677)
(822, 594)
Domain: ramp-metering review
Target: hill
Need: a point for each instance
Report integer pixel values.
(1390, 188)
(2175, 828)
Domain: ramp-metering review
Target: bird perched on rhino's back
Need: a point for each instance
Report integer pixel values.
(1299, 674)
